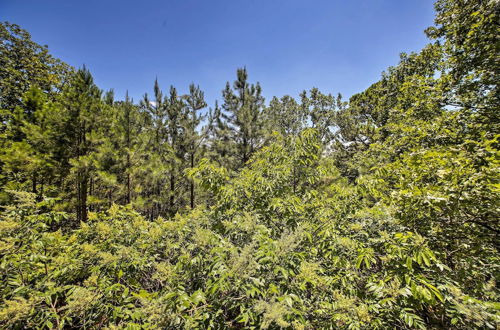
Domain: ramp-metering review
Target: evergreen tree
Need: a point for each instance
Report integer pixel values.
(220, 145)
(30, 147)
(243, 104)
(128, 126)
(322, 111)
(82, 115)
(193, 138)
(177, 114)
(285, 116)
(155, 146)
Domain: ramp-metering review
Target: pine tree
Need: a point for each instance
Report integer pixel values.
(322, 110)
(81, 105)
(219, 141)
(177, 114)
(192, 137)
(285, 116)
(29, 145)
(243, 104)
(128, 125)
(155, 147)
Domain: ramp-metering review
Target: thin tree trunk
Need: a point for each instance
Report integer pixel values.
(78, 198)
(84, 185)
(128, 188)
(41, 189)
(128, 155)
(192, 182)
(83, 179)
(91, 190)
(128, 174)
(294, 180)
(172, 188)
(33, 181)
(245, 156)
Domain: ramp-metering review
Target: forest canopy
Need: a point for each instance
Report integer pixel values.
(301, 212)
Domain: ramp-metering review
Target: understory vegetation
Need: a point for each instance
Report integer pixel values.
(307, 212)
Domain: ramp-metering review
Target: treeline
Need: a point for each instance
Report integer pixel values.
(72, 141)
(303, 212)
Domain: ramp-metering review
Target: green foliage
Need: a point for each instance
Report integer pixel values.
(243, 110)
(261, 256)
(24, 64)
(381, 212)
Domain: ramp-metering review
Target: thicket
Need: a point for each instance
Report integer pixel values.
(310, 212)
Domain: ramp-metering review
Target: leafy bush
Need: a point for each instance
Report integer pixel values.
(261, 256)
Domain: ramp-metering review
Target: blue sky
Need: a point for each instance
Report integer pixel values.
(288, 46)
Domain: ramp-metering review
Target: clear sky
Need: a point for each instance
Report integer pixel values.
(286, 45)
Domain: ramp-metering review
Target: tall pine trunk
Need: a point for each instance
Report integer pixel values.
(192, 183)
(172, 188)
(128, 176)
(84, 186)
